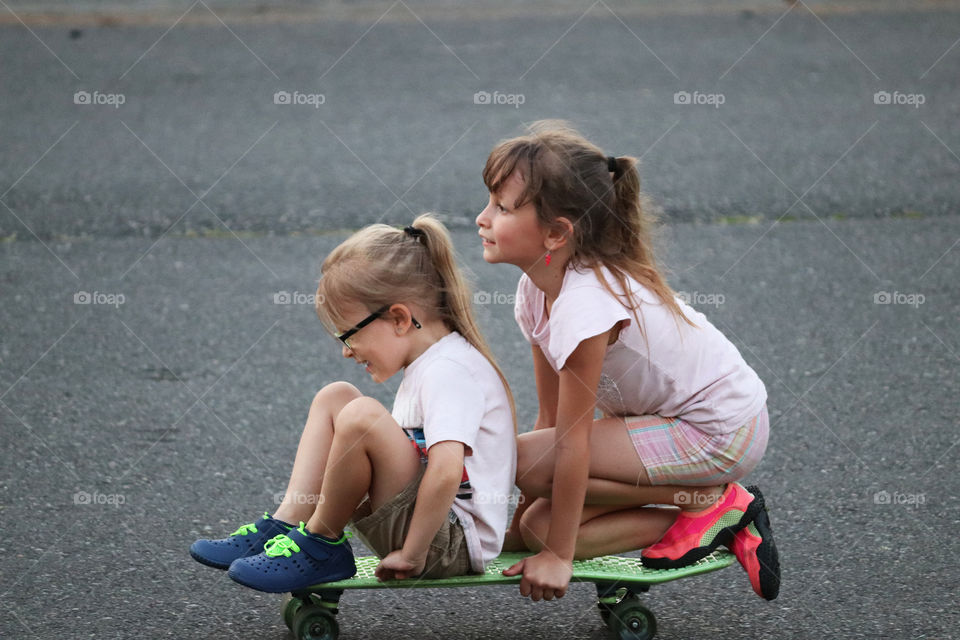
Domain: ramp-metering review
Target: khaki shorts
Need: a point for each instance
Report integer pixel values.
(385, 529)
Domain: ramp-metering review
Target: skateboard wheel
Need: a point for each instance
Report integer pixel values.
(289, 609)
(315, 623)
(630, 620)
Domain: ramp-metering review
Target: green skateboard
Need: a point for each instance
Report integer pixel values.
(311, 613)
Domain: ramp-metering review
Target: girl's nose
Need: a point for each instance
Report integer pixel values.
(482, 217)
(347, 353)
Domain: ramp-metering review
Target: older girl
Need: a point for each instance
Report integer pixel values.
(684, 415)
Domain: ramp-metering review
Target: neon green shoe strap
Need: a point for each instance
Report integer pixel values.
(280, 545)
(248, 528)
(245, 529)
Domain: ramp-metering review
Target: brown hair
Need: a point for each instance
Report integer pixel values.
(382, 265)
(567, 176)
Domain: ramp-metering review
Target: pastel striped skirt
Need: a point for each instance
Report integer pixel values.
(675, 452)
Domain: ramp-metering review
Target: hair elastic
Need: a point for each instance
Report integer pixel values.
(413, 232)
(611, 164)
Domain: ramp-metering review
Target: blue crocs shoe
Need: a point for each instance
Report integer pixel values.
(246, 541)
(294, 561)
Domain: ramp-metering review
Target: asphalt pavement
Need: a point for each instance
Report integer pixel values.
(158, 348)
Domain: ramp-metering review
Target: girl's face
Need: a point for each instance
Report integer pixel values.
(376, 346)
(511, 235)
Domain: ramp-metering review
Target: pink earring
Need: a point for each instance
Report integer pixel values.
(547, 259)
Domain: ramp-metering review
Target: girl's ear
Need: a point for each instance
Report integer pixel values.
(560, 234)
(400, 317)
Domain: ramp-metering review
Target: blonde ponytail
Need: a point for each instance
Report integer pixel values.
(381, 265)
(457, 300)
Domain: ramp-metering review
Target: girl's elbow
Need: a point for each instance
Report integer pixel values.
(446, 476)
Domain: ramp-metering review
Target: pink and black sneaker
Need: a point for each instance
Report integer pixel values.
(696, 534)
(757, 552)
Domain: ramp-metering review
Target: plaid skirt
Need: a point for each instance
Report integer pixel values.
(676, 452)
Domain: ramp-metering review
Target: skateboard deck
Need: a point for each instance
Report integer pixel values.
(311, 613)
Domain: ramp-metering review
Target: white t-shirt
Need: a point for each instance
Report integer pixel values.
(671, 369)
(452, 392)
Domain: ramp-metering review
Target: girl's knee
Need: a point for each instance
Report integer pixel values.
(534, 469)
(534, 484)
(363, 412)
(338, 393)
(535, 523)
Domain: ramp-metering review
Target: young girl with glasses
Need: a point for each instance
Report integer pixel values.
(425, 485)
(685, 417)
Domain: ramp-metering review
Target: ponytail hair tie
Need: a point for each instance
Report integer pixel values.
(611, 164)
(413, 232)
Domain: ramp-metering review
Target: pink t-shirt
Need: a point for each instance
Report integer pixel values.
(671, 369)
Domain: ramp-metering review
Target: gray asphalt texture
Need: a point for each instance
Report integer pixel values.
(817, 229)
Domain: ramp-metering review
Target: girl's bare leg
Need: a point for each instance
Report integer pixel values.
(617, 475)
(306, 479)
(370, 455)
(604, 529)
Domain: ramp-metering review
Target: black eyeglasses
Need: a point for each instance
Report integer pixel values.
(346, 335)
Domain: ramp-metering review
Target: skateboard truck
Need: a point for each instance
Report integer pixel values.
(622, 612)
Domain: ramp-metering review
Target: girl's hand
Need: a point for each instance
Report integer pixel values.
(513, 541)
(545, 575)
(396, 567)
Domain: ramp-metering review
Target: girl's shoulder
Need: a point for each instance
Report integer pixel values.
(585, 282)
(576, 277)
(452, 354)
(456, 369)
